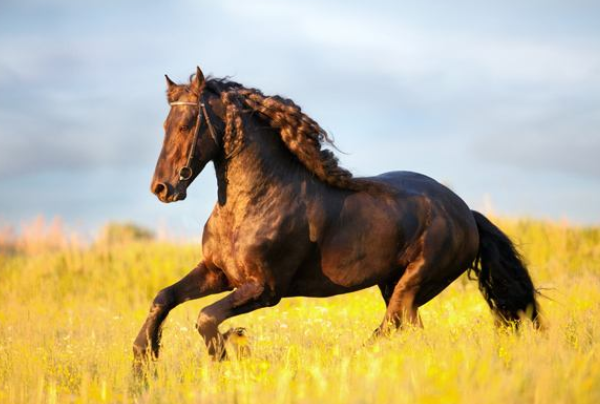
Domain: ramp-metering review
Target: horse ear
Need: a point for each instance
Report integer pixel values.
(199, 81)
(170, 83)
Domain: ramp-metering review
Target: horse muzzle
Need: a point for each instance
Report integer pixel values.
(167, 193)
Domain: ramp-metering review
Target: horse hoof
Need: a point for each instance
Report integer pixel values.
(238, 342)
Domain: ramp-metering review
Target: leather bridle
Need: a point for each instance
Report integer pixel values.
(186, 172)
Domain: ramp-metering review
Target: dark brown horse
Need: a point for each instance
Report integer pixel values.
(290, 221)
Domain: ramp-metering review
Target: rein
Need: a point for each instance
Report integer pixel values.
(186, 172)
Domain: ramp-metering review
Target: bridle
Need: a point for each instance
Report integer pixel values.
(186, 172)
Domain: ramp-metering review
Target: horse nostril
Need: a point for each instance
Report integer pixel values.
(159, 188)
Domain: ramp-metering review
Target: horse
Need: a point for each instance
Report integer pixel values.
(290, 221)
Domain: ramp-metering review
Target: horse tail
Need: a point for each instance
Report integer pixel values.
(503, 277)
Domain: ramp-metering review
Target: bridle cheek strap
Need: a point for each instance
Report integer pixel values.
(186, 172)
(211, 128)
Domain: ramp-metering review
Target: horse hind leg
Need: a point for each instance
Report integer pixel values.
(386, 289)
(402, 308)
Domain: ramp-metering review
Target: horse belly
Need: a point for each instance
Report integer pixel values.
(362, 246)
(312, 281)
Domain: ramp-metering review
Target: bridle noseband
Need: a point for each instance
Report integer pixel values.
(186, 172)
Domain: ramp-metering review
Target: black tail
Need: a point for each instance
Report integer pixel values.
(503, 277)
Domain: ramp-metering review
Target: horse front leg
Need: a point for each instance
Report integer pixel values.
(201, 281)
(246, 298)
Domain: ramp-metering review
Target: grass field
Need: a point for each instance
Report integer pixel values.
(68, 316)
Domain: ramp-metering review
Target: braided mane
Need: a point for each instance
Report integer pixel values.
(302, 136)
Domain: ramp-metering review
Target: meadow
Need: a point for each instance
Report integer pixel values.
(69, 312)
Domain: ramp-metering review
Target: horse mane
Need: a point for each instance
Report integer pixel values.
(302, 136)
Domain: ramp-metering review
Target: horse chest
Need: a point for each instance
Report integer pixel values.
(255, 245)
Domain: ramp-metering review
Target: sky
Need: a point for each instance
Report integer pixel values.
(499, 100)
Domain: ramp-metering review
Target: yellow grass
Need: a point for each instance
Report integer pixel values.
(68, 316)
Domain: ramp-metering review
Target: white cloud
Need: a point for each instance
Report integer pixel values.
(391, 45)
(420, 81)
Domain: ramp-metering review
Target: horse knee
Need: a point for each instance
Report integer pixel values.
(164, 298)
(206, 322)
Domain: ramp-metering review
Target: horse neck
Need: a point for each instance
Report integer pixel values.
(264, 166)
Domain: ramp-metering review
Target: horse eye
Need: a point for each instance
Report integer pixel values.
(184, 128)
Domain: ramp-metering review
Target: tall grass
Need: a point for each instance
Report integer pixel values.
(69, 313)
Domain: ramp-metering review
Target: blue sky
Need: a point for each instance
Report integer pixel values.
(499, 100)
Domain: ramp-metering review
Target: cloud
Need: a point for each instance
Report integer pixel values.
(434, 85)
(565, 141)
(46, 128)
(388, 42)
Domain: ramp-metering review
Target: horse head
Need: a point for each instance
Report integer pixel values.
(190, 140)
